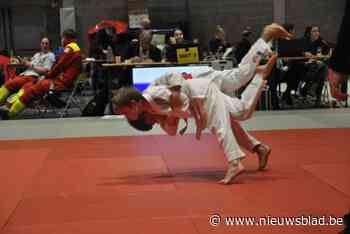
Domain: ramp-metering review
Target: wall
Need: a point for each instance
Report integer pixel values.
(233, 16)
(36, 17)
(325, 13)
(30, 21)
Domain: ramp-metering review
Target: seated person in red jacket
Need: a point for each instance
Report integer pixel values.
(38, 66)
(61, 76)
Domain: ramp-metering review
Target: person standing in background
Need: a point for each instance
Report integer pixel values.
(340, 60)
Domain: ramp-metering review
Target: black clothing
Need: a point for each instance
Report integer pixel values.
(340, 60)
(242, 49)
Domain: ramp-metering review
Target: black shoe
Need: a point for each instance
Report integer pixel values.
(55, 101)
(4, 114)
(304, 92)
(288, 99)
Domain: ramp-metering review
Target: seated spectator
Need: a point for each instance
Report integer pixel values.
(101, 42)
(62, 76)
(179, 37)
(176, 39)
(38, 66)
(294, 71)
(218, 45)
(316, 70)
(143, 50)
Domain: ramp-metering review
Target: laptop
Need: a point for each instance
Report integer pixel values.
(185, 53)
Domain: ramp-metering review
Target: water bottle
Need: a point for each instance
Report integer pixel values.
(109, 55)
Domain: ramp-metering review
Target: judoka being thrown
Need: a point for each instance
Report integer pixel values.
(203, 96)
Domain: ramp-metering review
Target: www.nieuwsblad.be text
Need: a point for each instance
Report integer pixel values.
(216, 220)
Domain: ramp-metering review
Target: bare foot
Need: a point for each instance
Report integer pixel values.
(275, 31)
(263, 152)
(234, 169)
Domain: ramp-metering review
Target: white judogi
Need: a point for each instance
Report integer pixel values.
(227, 80)
(223, 111)
(159, 98)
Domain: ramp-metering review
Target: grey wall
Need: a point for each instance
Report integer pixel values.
(4, 39)
(91, 12)
(233, 16)
(30, 20)
(325, 13)
(28, 26)
(35, 17)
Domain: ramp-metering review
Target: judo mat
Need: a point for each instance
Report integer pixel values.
(162, 184)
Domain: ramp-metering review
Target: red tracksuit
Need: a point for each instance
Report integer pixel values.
(61, 76)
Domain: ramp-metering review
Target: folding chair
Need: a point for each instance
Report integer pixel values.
(64, 99)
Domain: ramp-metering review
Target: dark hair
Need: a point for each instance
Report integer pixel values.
(69, 34)
(46, 37)
(308, 29)
(246, 33)
(140, 123)
(125, 95)
(289, 27)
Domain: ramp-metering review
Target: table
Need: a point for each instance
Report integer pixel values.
(322, 57)
(124, 70)
(136, 64)
(148, 73)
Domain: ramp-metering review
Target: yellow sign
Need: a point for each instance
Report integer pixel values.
(187, 55)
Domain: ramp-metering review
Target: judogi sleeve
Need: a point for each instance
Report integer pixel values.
(170, 80)
(159, 97)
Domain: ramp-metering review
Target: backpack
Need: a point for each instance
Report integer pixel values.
(97, 105)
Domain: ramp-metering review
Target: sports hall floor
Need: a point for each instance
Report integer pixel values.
(97, 175)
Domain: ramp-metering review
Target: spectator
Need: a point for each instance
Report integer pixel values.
(218, 45)
(61, 76)
(176, 39)
(145, 23)
(243, 45)
(142, 50)
(38, 66)
(179, 36)
(316, 70)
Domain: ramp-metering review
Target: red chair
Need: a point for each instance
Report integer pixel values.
(8, 72)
